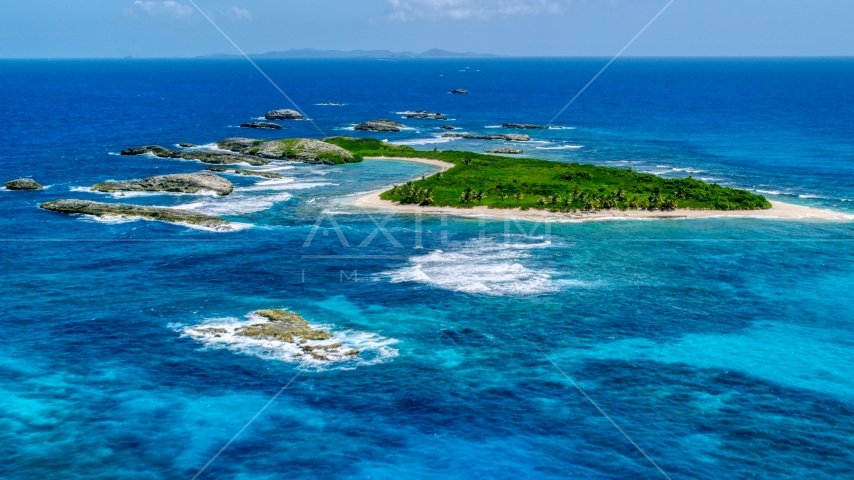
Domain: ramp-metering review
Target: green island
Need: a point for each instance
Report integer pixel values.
(502, 182)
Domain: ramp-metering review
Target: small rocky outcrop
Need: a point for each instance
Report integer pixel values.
(241, 171)
(284, 114)
(332, 103)
(524, 126)
(381, 125)
(306, 150)
(23, 184)
(205, 156)
(87, 207)
(290, 327)
(509, 151)
(422, 114)
(510, 137)
(187, 145)
(460, 91)
(178, 183)
(447, 127)
(267, 125)
(238, 144)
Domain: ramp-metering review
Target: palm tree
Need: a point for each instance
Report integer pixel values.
(621, 194)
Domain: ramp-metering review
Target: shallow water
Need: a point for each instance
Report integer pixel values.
(720, 346)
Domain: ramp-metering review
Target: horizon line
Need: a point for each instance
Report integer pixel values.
(226, 57)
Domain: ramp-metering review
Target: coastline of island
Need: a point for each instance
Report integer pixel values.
(778, 210)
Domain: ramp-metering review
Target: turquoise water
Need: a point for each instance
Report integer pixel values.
(720, 346)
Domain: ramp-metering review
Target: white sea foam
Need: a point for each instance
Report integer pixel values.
(422, 141)
(811, 196)
(561, 147)
(200, 193)
(373, 348)
(115, 154)
(116, 220)
(481, 266)
(236, 204)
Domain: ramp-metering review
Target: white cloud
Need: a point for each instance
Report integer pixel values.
(465, 9)
(168, 8)
(237, 13)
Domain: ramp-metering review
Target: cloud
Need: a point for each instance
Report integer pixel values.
(168, 8)
(404, 10)
(237, 13)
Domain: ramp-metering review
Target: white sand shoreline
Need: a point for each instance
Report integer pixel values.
(778, 210)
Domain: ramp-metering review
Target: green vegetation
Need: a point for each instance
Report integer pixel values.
(502, 182)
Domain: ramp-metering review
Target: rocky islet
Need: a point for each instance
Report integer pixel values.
(175, 183)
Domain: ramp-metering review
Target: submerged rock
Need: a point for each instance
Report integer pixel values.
(124, 210)
(187, 145)
(460, 91)
(205, 156)
(510, 137)
(512, 151)
(332, 103)
(23, 184)
(424, 115)
(267, 125)
(284, 114)
(290, 327)
(447, 127)
(381, 125)
(241, 171)
(180, 183)
(524, 126)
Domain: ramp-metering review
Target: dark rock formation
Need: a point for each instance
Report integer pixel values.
(238, 144)
(447, 127)
(510, 137)
(267, 125)
(380, 125)
(205, 156)
(512, 151)
(179, 183)
(186, 145)
(284, 114)
(460, 91)
(23, 184)
(424, 115)
(124, 210)
(240, 171)
(524, 126)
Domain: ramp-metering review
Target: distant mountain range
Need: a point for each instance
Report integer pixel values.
(312, 53)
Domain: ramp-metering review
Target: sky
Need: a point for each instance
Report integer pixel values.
(174, 28)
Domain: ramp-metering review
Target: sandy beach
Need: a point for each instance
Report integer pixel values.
(779, 210)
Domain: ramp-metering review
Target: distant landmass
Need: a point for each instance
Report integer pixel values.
(313, 53)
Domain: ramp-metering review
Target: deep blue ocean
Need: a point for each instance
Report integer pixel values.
(722, 347)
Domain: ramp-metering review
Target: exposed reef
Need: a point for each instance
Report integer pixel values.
(424, 115)
(447, 127)
(460, 91)
(381, 125)
(187, 145)
(284, 114)
(265, 125)
(290, 327)
(179, 183)
(23, 184)
(332, 103)
(511, 137)
(512, 151)
(241, 171)
(124, 210)
(204, 156)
